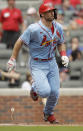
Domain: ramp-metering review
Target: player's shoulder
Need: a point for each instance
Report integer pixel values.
(7, 10)
(58, 25)
(16, 9)
(33, 27)
(4, 10)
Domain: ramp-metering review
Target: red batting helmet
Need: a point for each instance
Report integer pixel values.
(46, 7)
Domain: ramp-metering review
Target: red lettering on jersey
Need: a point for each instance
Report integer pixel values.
(44, 40)
(58, 34)
(54, 48)
(47, 44)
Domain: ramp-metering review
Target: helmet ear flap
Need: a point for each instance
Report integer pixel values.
(40, 15)
(55, 13)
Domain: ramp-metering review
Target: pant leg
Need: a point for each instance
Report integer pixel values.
(40, 84)
(4, 38)
(14, 37)
(10, 37)
(53, 78)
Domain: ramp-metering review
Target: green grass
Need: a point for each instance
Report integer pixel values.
(41, 128)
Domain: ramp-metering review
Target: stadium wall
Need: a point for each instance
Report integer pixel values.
(17, 107)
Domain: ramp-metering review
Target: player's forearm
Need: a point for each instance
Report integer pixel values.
(64, 58)
(17, 48)
(62, 49)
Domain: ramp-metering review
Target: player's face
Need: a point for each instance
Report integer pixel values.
(11, 2)
(49, 15)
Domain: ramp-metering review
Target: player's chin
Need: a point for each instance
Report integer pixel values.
(51, 19)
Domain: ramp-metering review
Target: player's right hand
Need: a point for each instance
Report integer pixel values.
(11, 64)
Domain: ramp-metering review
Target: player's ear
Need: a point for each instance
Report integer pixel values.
(41, 15)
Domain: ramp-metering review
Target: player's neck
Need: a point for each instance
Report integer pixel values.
(11, 6)
(48, 24)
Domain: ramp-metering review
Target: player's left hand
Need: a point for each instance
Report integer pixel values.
(11, 64)
(65, 61)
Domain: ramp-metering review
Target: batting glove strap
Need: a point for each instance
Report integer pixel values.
(65, 61)
(11, 65)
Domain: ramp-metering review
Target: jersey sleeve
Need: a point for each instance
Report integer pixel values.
(20, 17)
(61, 40)
(26, 36)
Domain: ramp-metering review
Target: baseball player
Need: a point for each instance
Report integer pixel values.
(42, 38)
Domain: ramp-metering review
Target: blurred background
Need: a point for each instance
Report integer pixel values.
(15, 86)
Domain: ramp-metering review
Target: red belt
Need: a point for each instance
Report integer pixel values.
(37, 59)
